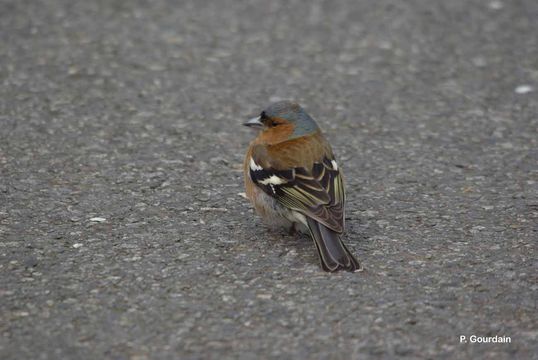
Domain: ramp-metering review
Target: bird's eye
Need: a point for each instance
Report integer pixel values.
(272, 123)
(269, 122)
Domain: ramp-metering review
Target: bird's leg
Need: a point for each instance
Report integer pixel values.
(293, 231)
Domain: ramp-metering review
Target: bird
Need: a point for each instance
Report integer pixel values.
(294, 182)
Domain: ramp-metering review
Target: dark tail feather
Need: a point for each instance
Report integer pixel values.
(333, 254)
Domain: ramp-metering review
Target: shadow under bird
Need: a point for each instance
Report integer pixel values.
(293, 181)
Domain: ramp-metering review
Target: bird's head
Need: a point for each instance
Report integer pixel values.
(283, 121)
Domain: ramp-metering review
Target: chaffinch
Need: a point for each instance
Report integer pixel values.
(293, 181)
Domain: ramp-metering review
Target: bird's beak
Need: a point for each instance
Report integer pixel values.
(254, 123)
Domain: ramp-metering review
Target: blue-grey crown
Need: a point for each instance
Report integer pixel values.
(295, 114)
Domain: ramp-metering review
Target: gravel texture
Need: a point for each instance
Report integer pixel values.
(123, 231)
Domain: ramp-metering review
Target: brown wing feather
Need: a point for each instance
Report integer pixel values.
(315, 190)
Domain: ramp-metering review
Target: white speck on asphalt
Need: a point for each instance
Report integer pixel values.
(97, 219)
(524, 89)
(496, 5)
(216, 209)
(77, 245)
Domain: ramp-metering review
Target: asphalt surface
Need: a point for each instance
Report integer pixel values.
(123, 231)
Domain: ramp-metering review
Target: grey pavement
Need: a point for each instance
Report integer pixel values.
(123, 232)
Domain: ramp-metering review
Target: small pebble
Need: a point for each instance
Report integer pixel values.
(30, 262)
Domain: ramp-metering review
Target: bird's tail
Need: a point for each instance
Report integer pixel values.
(333, 253)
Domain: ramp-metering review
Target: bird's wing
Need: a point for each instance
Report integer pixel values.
(317, 192)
